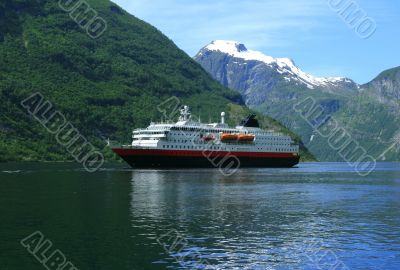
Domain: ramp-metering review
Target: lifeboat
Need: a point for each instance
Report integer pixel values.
(209, 137)
(229, 137)
(246, 137)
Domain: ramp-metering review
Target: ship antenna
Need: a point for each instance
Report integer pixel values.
(199, 115)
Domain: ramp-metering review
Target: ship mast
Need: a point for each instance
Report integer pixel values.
(185, 114)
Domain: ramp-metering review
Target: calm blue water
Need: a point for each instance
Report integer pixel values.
(316, 216)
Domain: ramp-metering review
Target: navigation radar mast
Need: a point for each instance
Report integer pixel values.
(185, 113)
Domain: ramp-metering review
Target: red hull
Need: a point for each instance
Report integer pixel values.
(190, 158)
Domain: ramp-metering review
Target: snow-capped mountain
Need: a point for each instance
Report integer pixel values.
(276, 87)
(236, 53)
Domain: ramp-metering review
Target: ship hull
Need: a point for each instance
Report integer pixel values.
(146, 158)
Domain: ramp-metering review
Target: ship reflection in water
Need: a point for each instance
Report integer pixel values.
(315, 216)
(305, 218)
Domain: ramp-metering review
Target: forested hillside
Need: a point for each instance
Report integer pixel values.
(104, 86)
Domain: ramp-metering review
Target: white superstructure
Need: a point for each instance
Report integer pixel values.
(190, 135)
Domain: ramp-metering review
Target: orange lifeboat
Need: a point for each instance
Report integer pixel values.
(246, 137)
(229, 137)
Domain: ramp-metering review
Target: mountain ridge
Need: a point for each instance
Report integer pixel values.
(285, 65)
(385, 87)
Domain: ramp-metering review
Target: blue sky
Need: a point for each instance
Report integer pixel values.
(310, 32)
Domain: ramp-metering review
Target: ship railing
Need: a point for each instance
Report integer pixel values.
(142, 136)
(135, 147)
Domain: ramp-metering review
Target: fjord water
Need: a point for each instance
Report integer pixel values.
(316, 216)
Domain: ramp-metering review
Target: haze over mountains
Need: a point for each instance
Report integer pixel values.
(369, 113)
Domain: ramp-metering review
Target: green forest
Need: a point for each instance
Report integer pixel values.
(105, 86)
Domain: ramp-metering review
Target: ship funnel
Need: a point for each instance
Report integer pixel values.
(222, 118)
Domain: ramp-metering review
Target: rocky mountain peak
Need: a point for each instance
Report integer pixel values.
(285, 68)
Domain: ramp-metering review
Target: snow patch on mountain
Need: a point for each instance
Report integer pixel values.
(284, 66)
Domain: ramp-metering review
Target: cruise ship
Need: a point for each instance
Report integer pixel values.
(191, 144)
